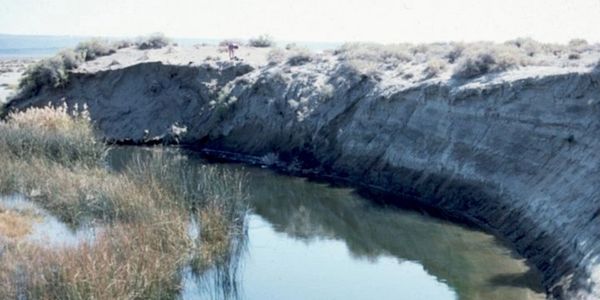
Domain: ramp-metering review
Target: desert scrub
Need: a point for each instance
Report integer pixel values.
(50, 72)
(262, 41)
(145, 212)
(95, 48)
(435, 67)
(370, 58)
(226, 42)
(153, 41)
(53, 72)
(299, 56)
(395, 53)
(276, 56)
(483, 58)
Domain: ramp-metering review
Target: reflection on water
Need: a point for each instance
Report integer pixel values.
(470, 263)
(310, 241)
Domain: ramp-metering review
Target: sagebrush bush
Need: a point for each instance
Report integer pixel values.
(530, 46)
(226, 42)
(262, 41)
(378, 53)
(71, 59)
(120, 44)
(299, 56)
(578, 45)
(486, 58)
(50, 72)
(95, 48)
(154, 41)
(276, 56)
(435, 67)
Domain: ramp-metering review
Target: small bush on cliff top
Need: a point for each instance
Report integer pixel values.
(276, 56)
(435, 67)
(226, 42)
(262, 41)
(47, 72)
(486, 58)
(154, 41)
(95, 48)
(300, 56)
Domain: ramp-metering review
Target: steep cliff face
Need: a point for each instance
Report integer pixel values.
(515, 153)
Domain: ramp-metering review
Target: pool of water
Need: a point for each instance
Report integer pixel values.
(310, 240)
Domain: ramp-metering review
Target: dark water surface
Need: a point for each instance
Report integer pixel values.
(309, 240)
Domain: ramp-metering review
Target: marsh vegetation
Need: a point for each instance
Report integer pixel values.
(147, 211)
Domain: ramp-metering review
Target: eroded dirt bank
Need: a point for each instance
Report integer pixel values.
(516, 152)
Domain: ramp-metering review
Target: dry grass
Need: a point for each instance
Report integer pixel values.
(14, 225)
(145, 211)
(130, 261)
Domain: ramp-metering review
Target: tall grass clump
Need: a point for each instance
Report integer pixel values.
(262, 41)
(51, 133)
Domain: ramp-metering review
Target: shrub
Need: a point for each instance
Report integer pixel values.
(47, 72)
(578, 45)
(154, 41)
(226, 42)
(375, 52)
(276, 56)
(485, 58)
(262, 41)
(530, 46)
(120, 44)
(70, 59)
(455, 52)
(95, 48)
(574, 56)
(435, 67)
(300, 56)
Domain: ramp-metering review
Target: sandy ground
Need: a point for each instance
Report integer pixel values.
(11, 70)
(174, 55)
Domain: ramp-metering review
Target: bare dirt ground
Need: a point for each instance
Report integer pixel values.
(11, 70)
(174, 55)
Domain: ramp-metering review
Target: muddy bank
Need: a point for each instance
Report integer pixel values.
(516, 152)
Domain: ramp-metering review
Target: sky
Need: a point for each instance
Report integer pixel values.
(385, 21)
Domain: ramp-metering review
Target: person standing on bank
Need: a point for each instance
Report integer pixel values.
(231, 47)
